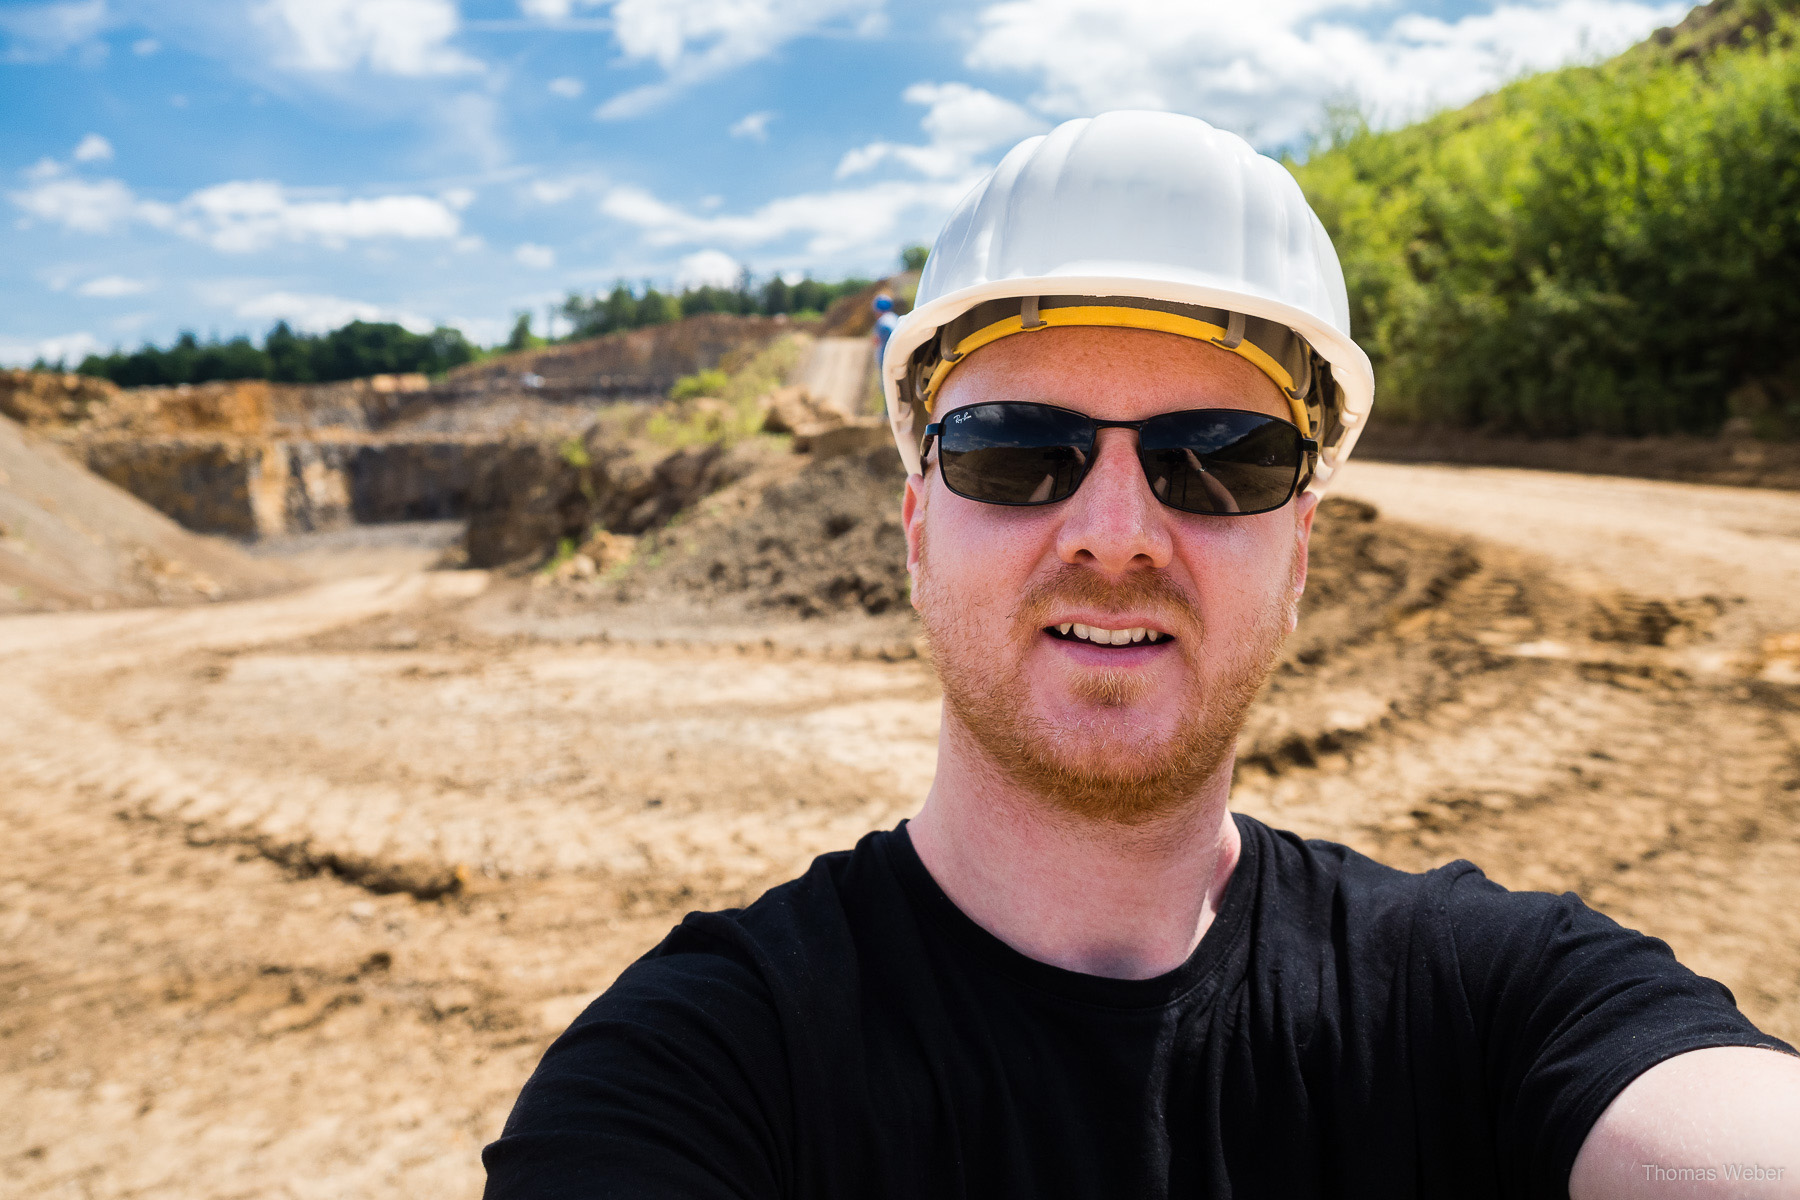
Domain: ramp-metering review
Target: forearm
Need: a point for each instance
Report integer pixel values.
(1718, 1122)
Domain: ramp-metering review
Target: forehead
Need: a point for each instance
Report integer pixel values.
(1112, 374)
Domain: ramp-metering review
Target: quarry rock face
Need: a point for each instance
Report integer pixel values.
(534, 497)
(417, 479)
(209, 485)
(41, 399)
(260, 487)
(252, 458)
(249, 458)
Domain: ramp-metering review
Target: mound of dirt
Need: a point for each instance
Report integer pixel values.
(69, 539)
(822, 541)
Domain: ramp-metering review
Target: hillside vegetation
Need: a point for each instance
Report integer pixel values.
(1607, 249)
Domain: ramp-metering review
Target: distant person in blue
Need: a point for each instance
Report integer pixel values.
(885, 320)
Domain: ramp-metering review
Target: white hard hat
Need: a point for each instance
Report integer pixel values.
(1142, 220)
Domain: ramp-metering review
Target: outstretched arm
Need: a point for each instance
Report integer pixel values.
(1718, 1122)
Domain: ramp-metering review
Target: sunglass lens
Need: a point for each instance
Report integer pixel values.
(1221, 461)
(1011, 453)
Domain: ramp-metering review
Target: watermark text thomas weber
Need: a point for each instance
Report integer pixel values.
(1750, 1171)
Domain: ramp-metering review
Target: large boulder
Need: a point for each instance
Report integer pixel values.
(796, 410)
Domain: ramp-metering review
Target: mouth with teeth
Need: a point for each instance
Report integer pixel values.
(1095, 635)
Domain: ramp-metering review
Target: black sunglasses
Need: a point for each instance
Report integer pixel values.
(1202, 460)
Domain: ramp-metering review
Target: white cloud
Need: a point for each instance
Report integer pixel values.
(560, 191)
(145, 47)
(254, 214)
(566, 86)
(69, 348)
(235, 217)
(86, 206)
(694, 40)
(547, 10)
(704, 268)
(41, 32)
(109, 287)
(390, 37)
(457, 198)
(470, 127)
(1266, 69)
(551, 191)
(962, 122)
(1429, 63)
(530, 254)
(483, 331)
(318, 313)
(754, 126)
(831, 223)
(93, 148)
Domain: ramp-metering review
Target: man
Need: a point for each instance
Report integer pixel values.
(1075, 973)
(886, 321)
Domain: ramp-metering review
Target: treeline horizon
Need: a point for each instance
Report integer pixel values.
(363, 348)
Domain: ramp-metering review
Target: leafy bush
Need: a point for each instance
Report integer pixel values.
(1608, 249)
(702, 383)
(727, 410)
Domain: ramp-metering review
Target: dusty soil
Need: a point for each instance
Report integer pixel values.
(299, 888)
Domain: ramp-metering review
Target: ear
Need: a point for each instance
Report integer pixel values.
(1307, 507)
(912, 519)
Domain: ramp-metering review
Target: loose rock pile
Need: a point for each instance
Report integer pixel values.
(827, 540)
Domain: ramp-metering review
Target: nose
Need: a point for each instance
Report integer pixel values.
(1113, 521)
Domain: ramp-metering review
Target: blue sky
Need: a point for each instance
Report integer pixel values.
(217, 165)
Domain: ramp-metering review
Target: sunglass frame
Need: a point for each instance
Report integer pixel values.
(1303, 470)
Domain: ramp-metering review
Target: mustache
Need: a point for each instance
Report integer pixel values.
(1145, 592)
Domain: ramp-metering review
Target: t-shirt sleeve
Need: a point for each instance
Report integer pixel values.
(672, 1083)
(1569, 1007)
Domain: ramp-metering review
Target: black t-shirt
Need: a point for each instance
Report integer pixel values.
(1343, 1029)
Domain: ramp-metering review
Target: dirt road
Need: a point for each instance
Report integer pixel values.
(297, 889)
(1672, 540)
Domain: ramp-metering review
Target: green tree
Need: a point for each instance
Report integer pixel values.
(777, 297)
(1603, 249)
(521, 337)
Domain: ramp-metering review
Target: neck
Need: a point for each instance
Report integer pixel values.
(1125, 902)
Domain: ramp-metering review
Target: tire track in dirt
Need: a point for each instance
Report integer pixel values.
(196, 1004)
